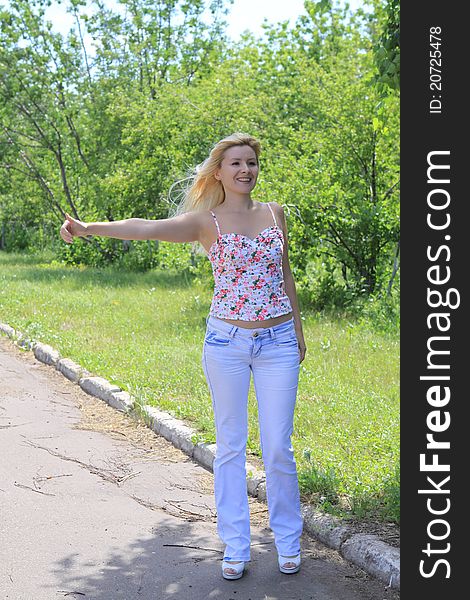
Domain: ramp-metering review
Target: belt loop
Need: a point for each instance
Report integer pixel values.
(233, 330)
(273, 333)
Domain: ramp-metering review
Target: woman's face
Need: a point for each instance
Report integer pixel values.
(238, 171)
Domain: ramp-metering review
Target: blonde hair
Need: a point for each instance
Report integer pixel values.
(202, 190)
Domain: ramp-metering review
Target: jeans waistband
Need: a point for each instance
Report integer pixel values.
(231, 330)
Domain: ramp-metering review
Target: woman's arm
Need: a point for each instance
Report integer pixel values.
(183, 228)
(289, 283)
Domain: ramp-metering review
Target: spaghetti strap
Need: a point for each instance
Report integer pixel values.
(274, 218)
(216, 223)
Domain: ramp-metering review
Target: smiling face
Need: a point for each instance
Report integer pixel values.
(238, 171)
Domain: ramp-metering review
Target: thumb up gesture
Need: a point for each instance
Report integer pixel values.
(72, 228)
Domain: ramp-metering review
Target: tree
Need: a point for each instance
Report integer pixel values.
(105, 134)
(39, 77)
(333, 149)
(387, 49)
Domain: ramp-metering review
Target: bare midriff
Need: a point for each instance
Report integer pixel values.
(257, 324)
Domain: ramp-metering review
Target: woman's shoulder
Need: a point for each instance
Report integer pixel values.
(200, 219)
(276, 205)
(278, 209)
(207, 225)
(202, 214)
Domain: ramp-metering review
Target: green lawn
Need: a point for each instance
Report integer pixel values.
(144, 332)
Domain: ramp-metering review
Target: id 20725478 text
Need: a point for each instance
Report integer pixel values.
(435, 70)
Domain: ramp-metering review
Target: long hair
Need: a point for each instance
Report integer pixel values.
(201, 190)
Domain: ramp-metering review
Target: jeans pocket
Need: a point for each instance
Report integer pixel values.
(288, 339)
(214, 338)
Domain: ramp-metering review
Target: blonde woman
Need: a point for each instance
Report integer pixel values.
(253, 326)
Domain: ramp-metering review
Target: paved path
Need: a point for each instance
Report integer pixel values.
(96, 506)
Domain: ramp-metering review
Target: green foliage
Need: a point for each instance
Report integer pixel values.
(85, 253)
(387, 51)
(391, 496)
(106, 137)
(381, 312)
(322, 482)
(134, 256)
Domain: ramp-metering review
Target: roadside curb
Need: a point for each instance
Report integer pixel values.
(366, 551)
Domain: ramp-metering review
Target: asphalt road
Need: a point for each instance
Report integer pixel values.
(96, 506)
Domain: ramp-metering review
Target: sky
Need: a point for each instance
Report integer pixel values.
(243, 15)
(250, 14)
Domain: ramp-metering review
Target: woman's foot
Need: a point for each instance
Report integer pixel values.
(232, 569)
(289, 564)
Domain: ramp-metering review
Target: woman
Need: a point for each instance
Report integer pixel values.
(253, 326)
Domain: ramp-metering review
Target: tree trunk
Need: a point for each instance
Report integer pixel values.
(395, 269)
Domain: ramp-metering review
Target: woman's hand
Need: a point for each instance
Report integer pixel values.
(72, 228)
(302, 350)
(301, 344)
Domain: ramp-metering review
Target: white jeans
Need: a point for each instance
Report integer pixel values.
(272, 354)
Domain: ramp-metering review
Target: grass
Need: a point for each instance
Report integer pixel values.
(144, 332)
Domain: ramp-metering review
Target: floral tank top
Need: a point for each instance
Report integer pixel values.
(248, 277)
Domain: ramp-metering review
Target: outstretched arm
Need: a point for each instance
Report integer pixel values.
(183, 228)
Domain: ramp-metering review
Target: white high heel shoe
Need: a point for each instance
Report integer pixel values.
(285, 560)
(238, 567)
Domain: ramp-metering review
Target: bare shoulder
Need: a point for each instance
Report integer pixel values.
(203, 220)
(207, 228)
(199, 219)
(277, 208)
(193, 220)
(189, 226)
(279, 213)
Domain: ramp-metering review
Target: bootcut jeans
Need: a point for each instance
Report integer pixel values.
(230, 354)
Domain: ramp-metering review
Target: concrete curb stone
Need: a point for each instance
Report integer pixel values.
(205, 454)
(46, 354)
(122, 401)
(254, 481)
(366, 551)
(171, 429)
(261, 492)
(71, 370)
(99, 387)
(7, 330)
(329, 530)
(374, 556)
